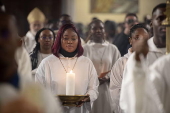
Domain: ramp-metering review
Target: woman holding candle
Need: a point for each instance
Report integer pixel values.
(103, 55)
(66, 71)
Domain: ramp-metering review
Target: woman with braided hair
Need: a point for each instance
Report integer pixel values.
(44, 39)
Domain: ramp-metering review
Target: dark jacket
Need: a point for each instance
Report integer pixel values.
(122, 43)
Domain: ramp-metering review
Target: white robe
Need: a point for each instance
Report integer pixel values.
(32, 92)
(23, 61)
(82, 41)
(29, 42)
(41, 56)
(94, 51)
(127, 93)
(154, 52)
(51, 74)
(116, 81)
(147, 90)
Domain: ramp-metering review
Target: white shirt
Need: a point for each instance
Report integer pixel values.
(29, 42)
(103, 57)
(51, 74)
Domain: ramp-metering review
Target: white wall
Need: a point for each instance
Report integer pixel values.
(80, 11)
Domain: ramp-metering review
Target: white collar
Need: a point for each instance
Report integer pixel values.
(43, 53)
(129, 53)
(105, 43)
(153, 48)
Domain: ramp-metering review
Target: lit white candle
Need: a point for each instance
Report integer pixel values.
(70, 83)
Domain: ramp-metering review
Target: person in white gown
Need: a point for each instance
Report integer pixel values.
(18, 93)
(23, 61)
(44, 41)
(36, 20)
(133, 90)
(137, 32)
(67, 56)
(103, 55)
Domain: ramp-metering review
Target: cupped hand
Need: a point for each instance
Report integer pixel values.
(80, 103)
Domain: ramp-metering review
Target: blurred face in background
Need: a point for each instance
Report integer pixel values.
(97, 32)
(36, 26)
(64, 20)
(137, 36)
(130, 21)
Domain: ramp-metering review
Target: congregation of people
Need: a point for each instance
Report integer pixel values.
(121, 67)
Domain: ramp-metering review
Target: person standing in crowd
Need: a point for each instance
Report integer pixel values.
(36, 20)
(156, 49)
(68, 55)
(103, 55)
(152, 91)
(119, 28)
(80, 29)
(44, 39)
(137, 32)
(122, 39)
(147, 21)
(110, 29)
(18, 94)
(66, 19)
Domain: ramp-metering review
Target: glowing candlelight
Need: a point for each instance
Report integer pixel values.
(70, 83)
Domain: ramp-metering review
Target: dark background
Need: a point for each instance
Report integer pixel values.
(21, 9)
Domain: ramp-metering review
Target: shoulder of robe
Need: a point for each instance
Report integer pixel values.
(114, 49)
(131, 61)
(122, 59)
(120, 62)
(86, 46)
(113, 46)
(162, 62)
(85, 59)
(50, 58)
